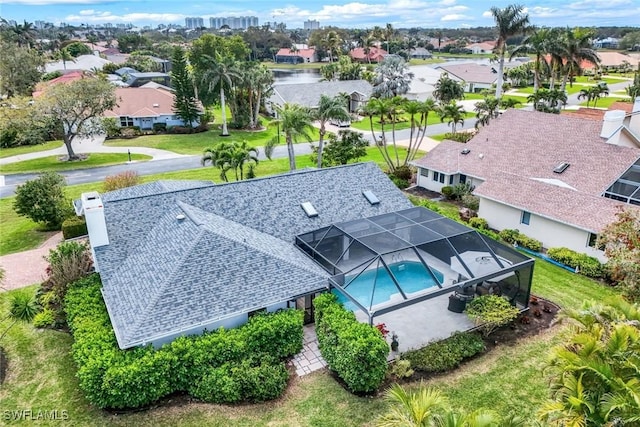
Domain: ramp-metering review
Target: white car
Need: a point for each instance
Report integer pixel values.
(340, 123)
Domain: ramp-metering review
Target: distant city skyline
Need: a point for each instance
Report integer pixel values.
(348, 14)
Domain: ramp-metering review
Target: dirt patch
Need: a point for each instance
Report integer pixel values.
(423, 192)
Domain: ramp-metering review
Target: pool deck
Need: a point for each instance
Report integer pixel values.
(418, 324)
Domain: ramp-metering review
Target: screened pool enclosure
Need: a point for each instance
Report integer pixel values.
(382, 263)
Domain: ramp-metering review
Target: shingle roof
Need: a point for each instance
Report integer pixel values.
(308, 94)
(232, 253)
(528, 145)
(153, 188)
(471, 72)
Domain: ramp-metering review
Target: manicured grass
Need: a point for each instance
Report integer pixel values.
(18, 233)
(365, 125)
(479, 97)
(605, 102)
(54, 164)
(196, 143)
(25, 149)
(606, 79)
(306, 66)
(426, 61)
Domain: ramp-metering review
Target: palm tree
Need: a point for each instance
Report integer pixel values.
(242, 154)
(381, 108)
(538, 43)
(392, 78)
(486, 110)
(389, 33)
(418, 117)
(65, 56)
(329, 108)
(453, 114)
(412, 408)
(586, 94)
(575, 47)
(599, 90)
(295, 121)
(447, 89)
(509, 21)
(220, 157)
(332, 42)
(221, 73)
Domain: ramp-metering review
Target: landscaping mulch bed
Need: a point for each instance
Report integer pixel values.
(423, 192)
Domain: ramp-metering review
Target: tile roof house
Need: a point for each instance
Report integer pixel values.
(475, 77)
(375, 54)
(298, 56)
(179, 257)
(65, 78)
(144, 107)
(483, 47)
(308, 94)
(556, 178)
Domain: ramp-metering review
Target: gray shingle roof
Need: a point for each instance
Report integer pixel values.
(308, 94)
(152, 188)
(471, 72)
(234, 252)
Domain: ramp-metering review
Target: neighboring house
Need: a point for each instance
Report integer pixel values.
(181, 257)
(133, 78)
(423, 83)
(475, 77)
(606, 43)
(308, 94)
(145, 107)
(65, 78)
(82, 62)
(484, 47)
(298, 56)
(420, 53)
(556, 178)
(375, 54)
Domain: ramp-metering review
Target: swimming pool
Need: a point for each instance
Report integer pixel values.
(412, 277)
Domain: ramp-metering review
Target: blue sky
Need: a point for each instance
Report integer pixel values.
(356, 13)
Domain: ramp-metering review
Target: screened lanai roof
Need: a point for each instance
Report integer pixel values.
(406, 255)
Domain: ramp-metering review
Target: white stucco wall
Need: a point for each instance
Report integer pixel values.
(228, 323)
(277, 307)
(428, 182)
(550, 233)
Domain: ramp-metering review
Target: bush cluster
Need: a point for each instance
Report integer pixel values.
(479, 223)
(74, 226)
(224, 366)
(445, 355)
(357, 352)
(514, 236)
(186, 130)
(121, 180)
(587, 265)
(490, 312)
(43, 200)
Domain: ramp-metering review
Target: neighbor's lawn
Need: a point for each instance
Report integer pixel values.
(25, 149)
(426, 61)
(521, 99)
(508, 379)
(53, 164)
(196, 143)
(607, 79)
(365, 125)
(310, 65)
(605, 102)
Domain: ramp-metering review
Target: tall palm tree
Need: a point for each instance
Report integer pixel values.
(510, 21)
(329, 108)
(576, 46)
(296, 122)
(447, 89)
(418, 117)
(539, 43)
(392, 78)
(220, 74)
(389, 33)
(332, 42)
(380, 108)
(453, 114)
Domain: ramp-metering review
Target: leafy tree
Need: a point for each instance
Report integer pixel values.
(391, 78)
(491, 312)
(343, 148)
(510, 21)
(453, 114)
(20, 69)
(594, 373)
(329, 108)
(78, 48)
(631, 40)
(22, 124)
(129, 42)
(43, 200)
(78, 105)
(621, 242)
(185, 103)
(447, 90)
(296, 123)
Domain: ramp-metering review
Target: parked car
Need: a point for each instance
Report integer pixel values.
(340, 123)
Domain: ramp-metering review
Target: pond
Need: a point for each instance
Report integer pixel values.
(289, 76)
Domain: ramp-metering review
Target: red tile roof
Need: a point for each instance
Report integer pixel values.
(304, 53)
(596, 113)
(65, 78)
(516, 155)
(142, 102)
(375, 54)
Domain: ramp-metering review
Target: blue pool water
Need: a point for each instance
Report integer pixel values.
(412, 277)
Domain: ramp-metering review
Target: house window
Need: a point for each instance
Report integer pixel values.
(526, 218)
(438, 177)
(126, 121)
(424, 172)
(463, 178)
(450, 179)
(592, 240)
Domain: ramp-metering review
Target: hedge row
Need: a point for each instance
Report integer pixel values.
(357, 352)
(514, 236)
(74, 227)
(587, 265)
(445, 355)
(222, 366)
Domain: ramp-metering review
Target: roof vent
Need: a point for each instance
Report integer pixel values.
(561, 167)
(156, 105)
(309, 209)
(465, 151)
(371, 197)
(180, 217)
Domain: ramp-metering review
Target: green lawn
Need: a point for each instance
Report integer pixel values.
(510, 378)
(605, 102)
(606, 79)
(426, 61)
(25, 149)
(53, 163)
(196, 143)
(306, 66)
(479, 97)
(365, 125)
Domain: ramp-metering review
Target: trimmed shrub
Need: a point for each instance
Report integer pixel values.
(356, 351)
(121, 180)
(445, 355)
(223, 366)
(447, 191)
(45, 319)
(74, 227)
(110, 127)
(490, 312)
(587, 265)
(160, 127)
(399, 182)
(403, 172)
(470, 201)
(529, 243)
(479, 223)
(509, 235)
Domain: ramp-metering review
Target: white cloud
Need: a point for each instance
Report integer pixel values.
(456, 17)
(593, 5)
(103, 17)
(487, 14)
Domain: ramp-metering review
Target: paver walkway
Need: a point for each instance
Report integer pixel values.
(28, 267)
(309, 359)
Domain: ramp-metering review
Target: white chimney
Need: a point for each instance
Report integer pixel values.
(611, 122)
(93, 210)
(634, 122)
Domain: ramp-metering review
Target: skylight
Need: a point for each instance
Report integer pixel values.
(371, 197)
(465, 151)
(309, 209)
(561, 167)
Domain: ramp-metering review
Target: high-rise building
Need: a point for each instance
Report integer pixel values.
(193, 22)
(234, 22)
(39, 25)
(311, 24)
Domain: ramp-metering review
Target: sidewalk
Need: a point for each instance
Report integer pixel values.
(28, 267)
(92, 145)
